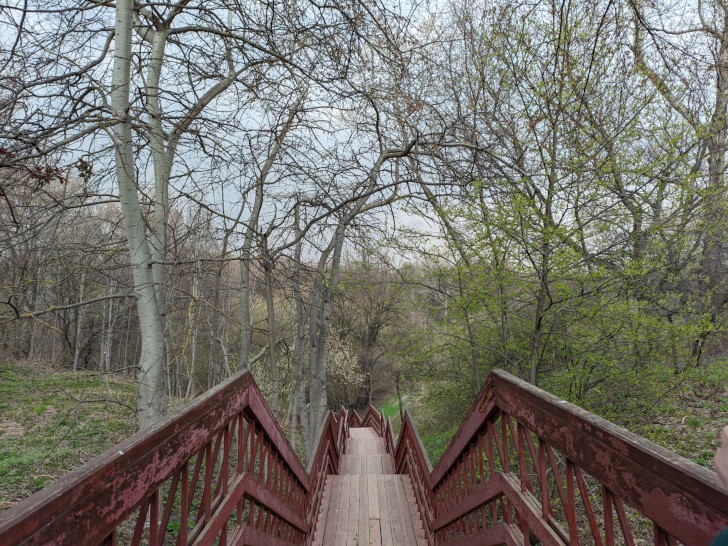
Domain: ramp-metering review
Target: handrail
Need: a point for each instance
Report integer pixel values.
(411, 458)
(372, 418)
(220, 469)
(354, 419)
(331, 442)
(388, 434)
(524, 462)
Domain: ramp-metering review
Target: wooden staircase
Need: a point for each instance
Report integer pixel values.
(367, 503)
(523, 468)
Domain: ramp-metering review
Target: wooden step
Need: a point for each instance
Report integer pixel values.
(369, 509)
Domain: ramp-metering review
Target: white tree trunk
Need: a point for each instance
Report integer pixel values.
(111, 322)
(162, 158)
(152, 396)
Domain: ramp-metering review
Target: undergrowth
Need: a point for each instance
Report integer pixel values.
(52, 422)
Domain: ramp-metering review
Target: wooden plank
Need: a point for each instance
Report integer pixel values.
(352, 519)
(342, 517)
(385, 521)
(363, 510)
(395, 518)
(333, 513)
(375, 531)
(404, 510)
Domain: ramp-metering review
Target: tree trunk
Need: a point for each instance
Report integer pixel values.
(193, 325)
(322, 401)
(245, 322)
(246, 330)
(272, 361)
(535, 353)
(36, 307)
(109, 338)
(314, 316)
(102, 345)
(151, 396)
(297, 409)
(320, 307)
(79, 323)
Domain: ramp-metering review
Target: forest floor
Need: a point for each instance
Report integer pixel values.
(52, 421)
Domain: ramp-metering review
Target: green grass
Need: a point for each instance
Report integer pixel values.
(435, 444)
(391, 410)
(391, 407)
(52, 422)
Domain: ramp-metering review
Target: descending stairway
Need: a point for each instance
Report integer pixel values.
(367, 503)
(523, 466)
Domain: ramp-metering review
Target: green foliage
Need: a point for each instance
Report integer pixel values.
(694, 422)
(706, 458)
(436, 443)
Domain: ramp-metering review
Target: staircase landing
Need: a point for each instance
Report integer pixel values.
(367, 503)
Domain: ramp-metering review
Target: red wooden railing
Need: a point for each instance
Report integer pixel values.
(372, 418)
(219, 471)
(525, 465)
